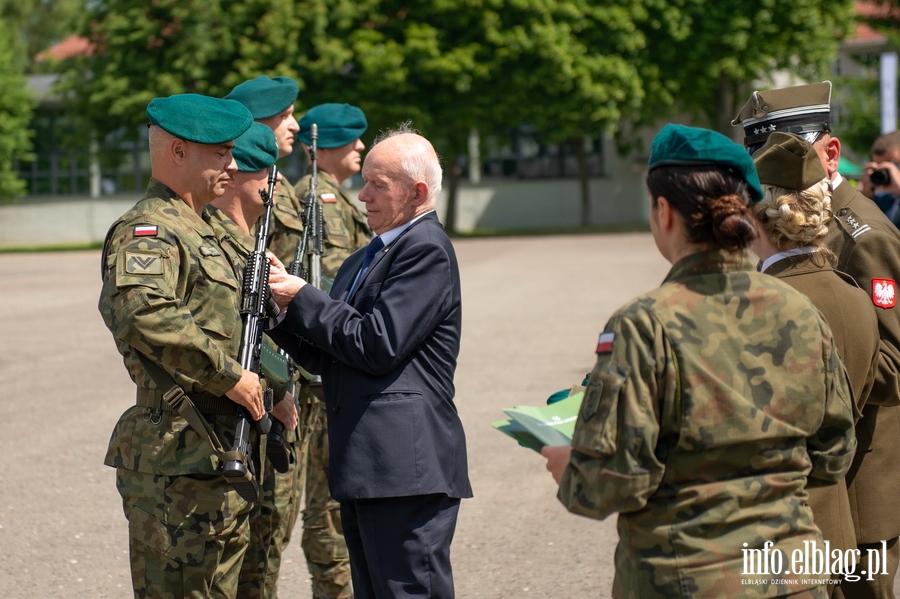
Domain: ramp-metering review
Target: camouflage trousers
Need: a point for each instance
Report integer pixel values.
(187, 534)
(323, 537)
(269, 519)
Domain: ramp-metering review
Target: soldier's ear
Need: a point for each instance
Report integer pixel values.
(178, 148)
(665, 213)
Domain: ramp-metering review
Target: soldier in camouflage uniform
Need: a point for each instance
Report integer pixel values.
(271, 102)
(867, 247)
(712, 400)
(170, 299)
(346, 230)
(232, 216)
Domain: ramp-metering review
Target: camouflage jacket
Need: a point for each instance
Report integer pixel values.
(238, 246)
(170, 292)
(346, 229)
(712, 400)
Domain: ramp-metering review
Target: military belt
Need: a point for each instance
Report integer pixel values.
(206, 403)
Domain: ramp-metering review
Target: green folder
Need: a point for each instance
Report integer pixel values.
(535, 427)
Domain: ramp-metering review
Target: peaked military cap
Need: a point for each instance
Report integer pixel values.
(256, 149)
(265, 96)
(789, 161)
(802, 109)
(338, 125)
(679, 145)
(200, 119)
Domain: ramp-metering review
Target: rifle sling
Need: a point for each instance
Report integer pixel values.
(206, 403)
(177, 401)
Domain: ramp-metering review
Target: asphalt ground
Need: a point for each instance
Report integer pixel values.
(532, 310)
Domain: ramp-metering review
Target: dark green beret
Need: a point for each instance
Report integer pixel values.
(678, 145)
(200, 119)
(265, 97)
(338, 124)
(787, 160)
(256, 149)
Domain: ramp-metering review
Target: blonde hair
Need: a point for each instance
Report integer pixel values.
(792, 218)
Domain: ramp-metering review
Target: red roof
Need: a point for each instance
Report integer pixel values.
(72, 46)
(864, 33)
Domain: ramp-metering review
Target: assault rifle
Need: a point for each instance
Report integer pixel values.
(313, 226)
(256, 306)
(311, 244)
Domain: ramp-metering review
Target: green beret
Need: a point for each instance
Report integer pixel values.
(256, 149)
(802, 109)
(788, 161)
(339, 124)
(678, 145)
(265, 97)
(200, 119)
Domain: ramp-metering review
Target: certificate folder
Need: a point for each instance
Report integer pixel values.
(535, 427)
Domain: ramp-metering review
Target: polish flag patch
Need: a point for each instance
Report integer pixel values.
(328, 198)
(145, 231)
(884, 293)
(605, 343)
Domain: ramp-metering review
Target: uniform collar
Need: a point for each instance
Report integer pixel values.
(710, 262)
(159, 190)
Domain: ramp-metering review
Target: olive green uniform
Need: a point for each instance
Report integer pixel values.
(847, 308)
(712, 400)
(345, 231)
(867, 246)
(170, 292)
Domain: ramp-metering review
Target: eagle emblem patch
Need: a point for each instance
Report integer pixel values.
(884, 293)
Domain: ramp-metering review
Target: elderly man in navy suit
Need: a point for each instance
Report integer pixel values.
(386, 343)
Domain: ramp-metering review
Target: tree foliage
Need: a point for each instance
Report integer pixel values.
(15, 113)
(860, 120)
(568, 68)
(706, 54)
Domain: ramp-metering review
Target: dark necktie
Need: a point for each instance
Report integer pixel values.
(373, 248)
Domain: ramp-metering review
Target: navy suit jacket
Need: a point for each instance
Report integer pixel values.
(387, 360)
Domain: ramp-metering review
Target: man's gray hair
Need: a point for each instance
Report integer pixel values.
(417, 162)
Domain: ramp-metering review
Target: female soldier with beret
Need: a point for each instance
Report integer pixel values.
(698, 424)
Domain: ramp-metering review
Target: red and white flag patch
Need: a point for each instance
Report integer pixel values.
(145, 231)
(328, 198)
(884, 293)
(605, 343)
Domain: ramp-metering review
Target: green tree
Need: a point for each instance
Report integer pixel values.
(16, 107)
(859, 124)
(563, 66)
(144, 50)
(572, 69)
(706, 54)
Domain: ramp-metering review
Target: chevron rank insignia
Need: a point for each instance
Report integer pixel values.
(145, 231)
(143, 264)
(884, 293)
(328, 198)
(605, 343)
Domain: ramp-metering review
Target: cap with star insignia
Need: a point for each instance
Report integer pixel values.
(200, 119)
(802, 109)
